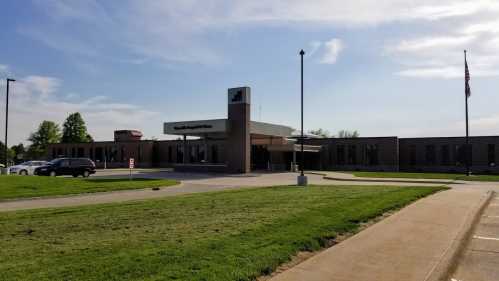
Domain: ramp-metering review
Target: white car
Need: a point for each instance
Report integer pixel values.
(26, 168)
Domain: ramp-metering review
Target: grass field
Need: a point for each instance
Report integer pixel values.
(231, 235)
(25, 186)
(444, 176)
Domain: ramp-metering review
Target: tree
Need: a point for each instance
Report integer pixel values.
(75, 130)
(10, 154)
(320, 132)
(48, 132)
(348, 134)
(19, 152)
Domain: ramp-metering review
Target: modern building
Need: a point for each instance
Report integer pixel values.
(238, 145)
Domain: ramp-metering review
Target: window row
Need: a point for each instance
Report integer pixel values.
(348, 155)
(459, 155)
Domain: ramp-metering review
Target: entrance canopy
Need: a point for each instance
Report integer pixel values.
(221, 127)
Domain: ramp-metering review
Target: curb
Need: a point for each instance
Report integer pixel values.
(389, 180)
(448, 262)
(326, 177)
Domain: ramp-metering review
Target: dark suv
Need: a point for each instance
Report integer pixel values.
(67, 166)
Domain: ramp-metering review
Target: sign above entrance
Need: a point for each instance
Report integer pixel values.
(196, 128)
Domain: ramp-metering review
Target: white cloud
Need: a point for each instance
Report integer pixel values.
(37, 98)
(314, 47)
(482, 27)
(437, 11)
(441, 72)
(4, 68)
(332, 50)
(449, 72)
(429, 44)
(352, 13)
(173, 31)
(441, 56)
(485, 125)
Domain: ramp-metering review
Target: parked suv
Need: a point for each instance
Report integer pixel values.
(67, 166)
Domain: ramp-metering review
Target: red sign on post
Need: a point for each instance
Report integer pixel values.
(131, 163)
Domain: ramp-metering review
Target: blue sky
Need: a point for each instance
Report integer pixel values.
(388, 67)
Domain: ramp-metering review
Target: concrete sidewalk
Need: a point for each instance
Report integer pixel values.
(340, 176)
(413, 244)
(480, 258)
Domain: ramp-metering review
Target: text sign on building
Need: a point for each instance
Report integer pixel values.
(196, 127)
(131, 163)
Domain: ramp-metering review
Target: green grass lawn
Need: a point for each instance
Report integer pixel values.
(231, 235)
(27, 186)
(444, 176)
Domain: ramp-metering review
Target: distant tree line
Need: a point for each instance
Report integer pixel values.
(74, 130)
(341, 134)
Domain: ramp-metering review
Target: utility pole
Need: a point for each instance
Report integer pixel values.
(302, 179)
(7, 121)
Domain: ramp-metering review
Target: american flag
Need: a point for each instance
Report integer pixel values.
(467, 79)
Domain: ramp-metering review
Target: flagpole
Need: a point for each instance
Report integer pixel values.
(467, 151)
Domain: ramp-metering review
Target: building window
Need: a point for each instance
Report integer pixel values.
(54, 154)
(201, 153)
(340, 154)
(372, 157)
(412, 155)
(91, 154)
(460, 154)
(331, 156)
(122, 154)
(81, 152)
(73, 152)
(430, 154)
(445, 159)
(98, 154)
(352, 154)
(491, 154)
(214, 153)
(193, 149)
(180, 153)
(112, 154)
(139, 153)
(59, 152)
(170, 152)
(105, 154)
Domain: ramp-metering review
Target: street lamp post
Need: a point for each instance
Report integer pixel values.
(302, 179)
(7, 120)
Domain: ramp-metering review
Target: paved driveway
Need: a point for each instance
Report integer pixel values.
(190, 183)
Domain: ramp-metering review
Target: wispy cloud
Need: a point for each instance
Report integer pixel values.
(35, 98)
(430, 44)
(441, 56)
(332, 48)
(178, 31)
(437, 10)
(4, 68)
(314, 46)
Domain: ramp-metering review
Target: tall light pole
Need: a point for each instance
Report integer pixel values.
(302, 179)
(7, 120)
